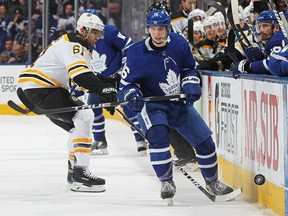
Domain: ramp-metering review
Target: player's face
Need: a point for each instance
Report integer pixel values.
(197, 36)
(265, 30)
(210, 32)
(219, 29)
(158, 35)
(93, 36)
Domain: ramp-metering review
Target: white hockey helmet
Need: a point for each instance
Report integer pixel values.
(197, 13)
(89, 21)
(219, 18)
(198, 26)
(209, 21)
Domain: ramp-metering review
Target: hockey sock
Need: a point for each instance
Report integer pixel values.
(207, 159)
(159, 149)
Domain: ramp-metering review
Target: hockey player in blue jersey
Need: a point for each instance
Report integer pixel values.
(107, 55)
(278, 63)
(272, 37)
(182, 149)
(159, 65)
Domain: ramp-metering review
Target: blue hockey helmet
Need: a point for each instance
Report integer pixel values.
(158, 18)
(267, 16)
(91, 11)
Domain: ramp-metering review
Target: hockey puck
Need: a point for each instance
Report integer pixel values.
(259, 179)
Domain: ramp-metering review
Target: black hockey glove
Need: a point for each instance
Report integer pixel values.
(103, 89)
(117, 79)
(108, 94)
(114, 80)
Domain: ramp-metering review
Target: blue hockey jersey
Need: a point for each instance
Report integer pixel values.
(158, 72)
(108, 51)
(274, 45)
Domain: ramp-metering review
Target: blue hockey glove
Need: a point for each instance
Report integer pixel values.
(254, 53)
(191, 87)
(240, 67)
(136, 102)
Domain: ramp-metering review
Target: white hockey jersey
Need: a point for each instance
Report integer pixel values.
(57, 65)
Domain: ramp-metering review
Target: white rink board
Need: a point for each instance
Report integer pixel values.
(247, 120)
(8, 82)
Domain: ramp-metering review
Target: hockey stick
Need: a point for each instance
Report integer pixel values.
(212, 197)
(236, 21)
(17, 108)
(249, 28)
(40, 111)
(279, 20)
(231, 50)
(130, 123)
(233, 27)
(219, 8)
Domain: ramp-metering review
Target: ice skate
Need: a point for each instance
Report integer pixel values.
(168, 190)
(99, 148)
(84, 181)
(142, 148)
(218, 188)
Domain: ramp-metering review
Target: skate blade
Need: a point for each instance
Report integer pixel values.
(169, 201)
(79, 187)
(100, 152)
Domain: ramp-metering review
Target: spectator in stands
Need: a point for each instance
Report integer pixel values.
(52, 18)
(22, 36)
(8, 44)
(4, 57)
(115, 11)
(98, 6)
(36, 40)
(60, 6)
(26, 53)
(4, 18)
(16, 24)
(17, 54)
(3, 36)
(67, 21)
(54, 34)
(22, 4)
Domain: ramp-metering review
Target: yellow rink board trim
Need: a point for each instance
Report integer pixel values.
(268, 194)
(6, 110)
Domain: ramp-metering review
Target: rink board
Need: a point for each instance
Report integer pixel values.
(248, 118)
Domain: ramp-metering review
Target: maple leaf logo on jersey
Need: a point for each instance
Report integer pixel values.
(172, 87)
(99, 62)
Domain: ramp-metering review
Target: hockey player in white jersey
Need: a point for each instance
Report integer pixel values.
(47, 82)
(107, 56)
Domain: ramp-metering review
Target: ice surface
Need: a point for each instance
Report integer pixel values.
(33, 169)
